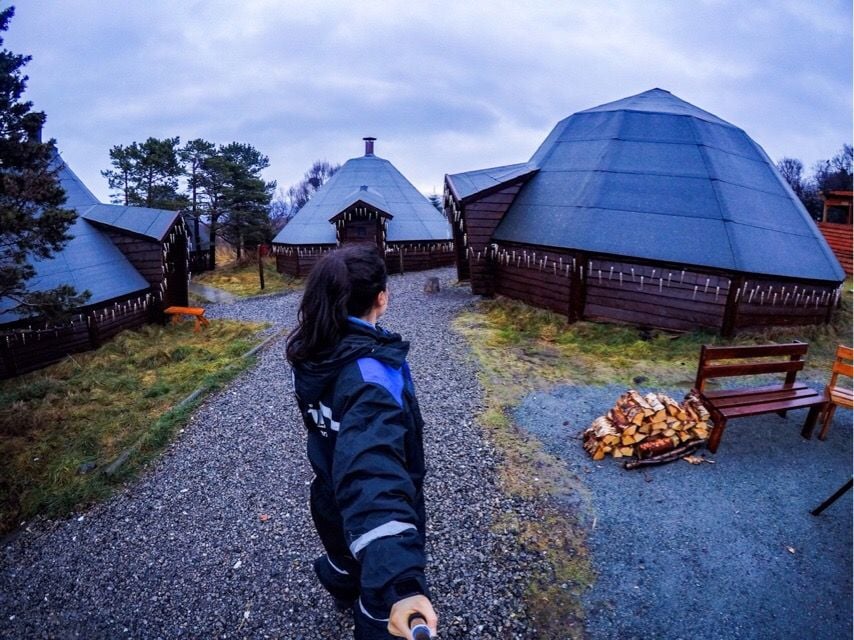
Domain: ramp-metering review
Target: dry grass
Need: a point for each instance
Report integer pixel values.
(89, 407)
(241, 278)
(520, 349)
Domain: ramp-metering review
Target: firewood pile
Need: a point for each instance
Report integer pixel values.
(648, 426)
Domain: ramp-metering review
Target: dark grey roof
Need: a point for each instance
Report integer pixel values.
(652, 176)
(142, 221)
(368, 196)
(89, 261)
(471, 182)
(413, 217)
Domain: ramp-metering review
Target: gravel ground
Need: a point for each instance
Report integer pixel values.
(724, 550)
(182, 551)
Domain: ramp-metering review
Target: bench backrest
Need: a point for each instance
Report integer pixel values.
(788, 359)
(842, 364)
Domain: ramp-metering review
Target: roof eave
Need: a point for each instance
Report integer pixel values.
(498, 186)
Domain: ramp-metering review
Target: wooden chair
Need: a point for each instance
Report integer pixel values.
(834, 393)
(751, 401)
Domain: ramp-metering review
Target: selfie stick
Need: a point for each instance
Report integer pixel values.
(420, 631)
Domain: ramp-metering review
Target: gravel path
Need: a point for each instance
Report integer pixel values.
(182, 552)
(724, 550)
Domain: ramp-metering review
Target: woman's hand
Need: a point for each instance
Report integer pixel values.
(398, 620)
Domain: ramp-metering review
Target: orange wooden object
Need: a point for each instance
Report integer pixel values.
(836, 394)
(197, 312)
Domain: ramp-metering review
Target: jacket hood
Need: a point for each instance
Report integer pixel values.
(312, 378)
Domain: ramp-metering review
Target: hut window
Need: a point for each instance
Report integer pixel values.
(838, 215)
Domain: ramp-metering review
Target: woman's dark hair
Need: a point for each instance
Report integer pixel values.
(344, 282)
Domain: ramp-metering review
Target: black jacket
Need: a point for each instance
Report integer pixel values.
(365, 446)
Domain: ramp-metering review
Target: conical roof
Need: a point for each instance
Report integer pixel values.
(652, 176)
(378, 184)
(90, 261)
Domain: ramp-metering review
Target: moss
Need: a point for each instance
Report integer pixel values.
(520, 349)
(89, 407)
(241, 279)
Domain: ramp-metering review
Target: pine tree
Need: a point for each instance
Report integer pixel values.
(147, 174)
(246, 196)
(33, 222)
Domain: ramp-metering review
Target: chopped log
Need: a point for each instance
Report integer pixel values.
(693, 402)
(602, 427)
(633, 411)
(653, 401)
(670, 456)
(692, 415)
(645, 426)
(673, 407)
(652, 447)
(618, 417)
(640, 401)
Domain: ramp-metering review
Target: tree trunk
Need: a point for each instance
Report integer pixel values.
(212, 262)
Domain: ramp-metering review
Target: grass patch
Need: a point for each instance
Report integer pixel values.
(523, 341)
(241, 278)
(520, 349)
(88, 408)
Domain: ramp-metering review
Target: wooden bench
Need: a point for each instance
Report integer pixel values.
(777, 398)
(197, 312)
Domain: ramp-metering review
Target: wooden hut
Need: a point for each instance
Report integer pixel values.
(132, 260)
(836, 226)
(367, 200)
(648, 211)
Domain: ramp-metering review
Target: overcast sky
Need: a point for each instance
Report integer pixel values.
(444, 86)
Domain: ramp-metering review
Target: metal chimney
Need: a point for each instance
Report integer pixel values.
(369, 146)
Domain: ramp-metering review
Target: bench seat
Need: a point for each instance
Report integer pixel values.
(197, 312)
(724, 404)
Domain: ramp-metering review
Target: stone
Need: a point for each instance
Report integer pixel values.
(86, 467)
(431, 285)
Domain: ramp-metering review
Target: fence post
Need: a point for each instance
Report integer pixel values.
(92, 327)
(260, 267)
(8, 358)
(578, 288)
(730, 321)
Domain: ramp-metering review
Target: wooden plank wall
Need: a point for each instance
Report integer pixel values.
(145, 255)
(653, 296)
(841, 241)
(287, 263)
(26, 349)
(480, 218)
(298, 261)
(538, 277)
(767, 302)
(416, 257)
(419, 256)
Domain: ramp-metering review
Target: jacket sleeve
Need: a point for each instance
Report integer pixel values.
(376, 495)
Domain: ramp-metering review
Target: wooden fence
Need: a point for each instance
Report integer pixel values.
(29, 348)
(586, 286)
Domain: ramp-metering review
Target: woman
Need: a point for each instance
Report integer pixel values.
(356, 396)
